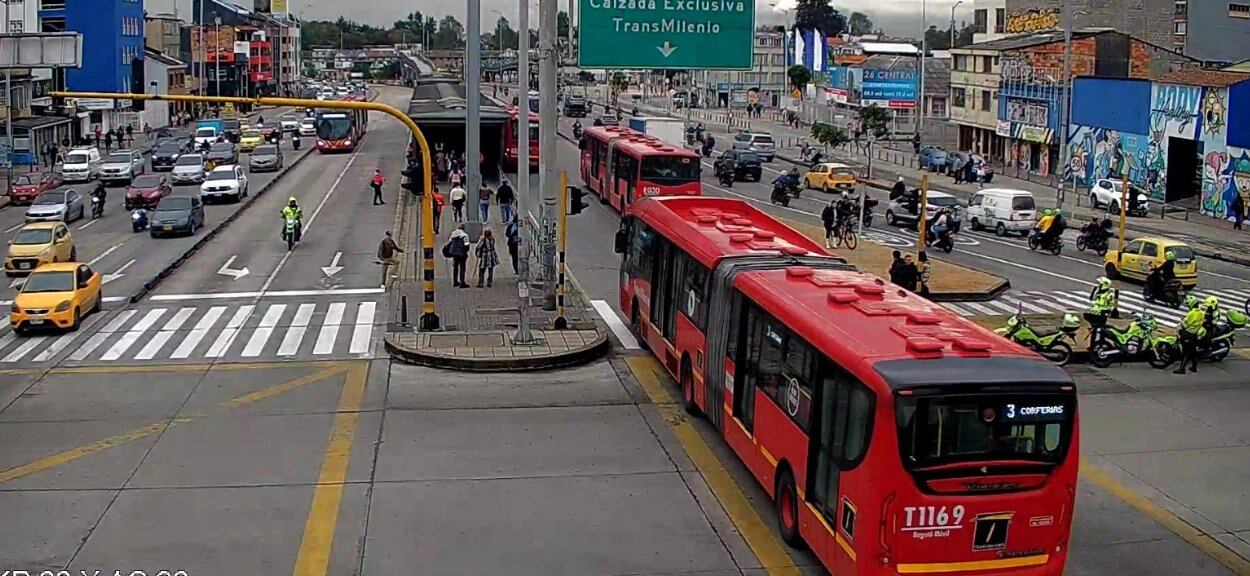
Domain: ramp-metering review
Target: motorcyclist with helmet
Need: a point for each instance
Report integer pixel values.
(1193, 328)
(784, 184)
(1159, 276)
(1102, 305)
(292, 210)
(97, 209)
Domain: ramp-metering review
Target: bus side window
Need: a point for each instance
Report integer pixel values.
(735, 328)
(642, 253)
(692, 291)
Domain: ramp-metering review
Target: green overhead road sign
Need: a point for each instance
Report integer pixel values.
(697, 34)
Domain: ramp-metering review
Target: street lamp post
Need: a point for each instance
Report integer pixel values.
(953, 21)
(1065, 101)
(924, 47)
(217, 54)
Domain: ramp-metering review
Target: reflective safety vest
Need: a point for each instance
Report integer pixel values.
(1193, 322)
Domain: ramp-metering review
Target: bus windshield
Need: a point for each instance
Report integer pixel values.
(669, 169)
(936, 430)
(334, 127)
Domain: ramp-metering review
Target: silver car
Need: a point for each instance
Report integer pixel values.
(188, 169)
(122, 166)
(56, 205)
(265, 158)
(760, 143)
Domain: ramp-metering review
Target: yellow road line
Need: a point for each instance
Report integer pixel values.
(1187, 532)
(770, 552)
(84, 450)
(315, 546)
(156, 427)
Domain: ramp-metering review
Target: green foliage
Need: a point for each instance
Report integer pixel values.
(829, 134)
(387, 72)
(859, 24)
(940, 38)
(445, 34)
(799, 76)
(820, 15)
(875, 120)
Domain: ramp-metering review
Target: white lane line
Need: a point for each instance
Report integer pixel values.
(1226, 277)
(131, 336)
(330, 329)
(7, 339)
(1006, 307)
(231, 331)
(275, 293)
(14, 227)
(198, 333)
(61, 343)
(614, 323)
(363, 329)
(104, 254)
(87, 225)
(1236, 293)
(953, 307)
(295, 334)
(99, 337)
(256, 344)
(308, 225)
(167, 331)
(979, 308)
(24, 349)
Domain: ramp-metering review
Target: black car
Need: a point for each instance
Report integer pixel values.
(575, 106)
(265, 158)
(231, 129)
(175, 214)
(222, 153)
(165, 154)
(746, 164)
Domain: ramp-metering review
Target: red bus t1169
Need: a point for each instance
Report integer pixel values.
(894, 436)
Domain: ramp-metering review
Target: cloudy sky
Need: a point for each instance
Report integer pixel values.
(901, 17)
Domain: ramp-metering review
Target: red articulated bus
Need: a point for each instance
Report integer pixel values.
(512, 138)
(621, 165)
(341, 130)
(894, 436)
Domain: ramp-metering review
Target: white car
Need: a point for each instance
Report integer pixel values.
(1107, 193)
(122, 166)
(225, 182)
(205, 135)
(308, 127)
(288, 124)
(188, 169)
(81, 164)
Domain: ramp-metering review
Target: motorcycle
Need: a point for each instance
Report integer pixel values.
(725, 176)
(97, 207)
(1171, 293)
(1111, 342)
(1221, 337)
(290, 232)
(139, 220)
(1054, 346)
(577, 131)
(782, 193)
(295, 142)
(707, 147)
(1095, 242)
(946, 240)
(1054, 246)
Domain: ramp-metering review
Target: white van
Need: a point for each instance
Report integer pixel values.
(1003, 210)
(81, 164)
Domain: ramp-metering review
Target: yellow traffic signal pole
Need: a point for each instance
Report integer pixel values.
(429, 318)
(922, 221)
(562, 322)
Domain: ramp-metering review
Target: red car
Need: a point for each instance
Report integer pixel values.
(146, 190)
(31, 184)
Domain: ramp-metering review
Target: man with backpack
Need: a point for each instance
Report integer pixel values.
(457, 248)
(387, 256)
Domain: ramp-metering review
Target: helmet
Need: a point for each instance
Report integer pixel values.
(1058, 212)
(1103, 283)
(845, 196)
(1211, 303)
(1169, 255)
(1048, 212)
(1192, 302)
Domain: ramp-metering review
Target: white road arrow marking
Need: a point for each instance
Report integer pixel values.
(226, 270)
(667, 49)
(118, 273)
(105, 253)
(334, 267)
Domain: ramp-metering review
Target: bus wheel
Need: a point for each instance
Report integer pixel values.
(788, 510)
(687, 388)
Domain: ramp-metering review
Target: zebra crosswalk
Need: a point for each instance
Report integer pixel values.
(261, 330)
(1076, 301)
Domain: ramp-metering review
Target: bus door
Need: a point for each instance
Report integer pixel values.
(607, 171)
(841, 422)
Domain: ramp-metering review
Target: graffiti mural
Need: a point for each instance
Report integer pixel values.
(1032, 20)
(1213, 111)
(1217, 158)
(1177, 110)
(1101, 153)
(1224, 177)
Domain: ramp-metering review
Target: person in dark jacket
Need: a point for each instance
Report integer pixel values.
(1239, 211)
(506, 197)
(896, 264)
(829, 217)
(899, 189)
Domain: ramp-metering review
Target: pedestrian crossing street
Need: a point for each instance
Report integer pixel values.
(208, 332)
(1076, 302)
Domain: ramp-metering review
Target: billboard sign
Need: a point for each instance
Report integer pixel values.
(889, 88)
(681, 34)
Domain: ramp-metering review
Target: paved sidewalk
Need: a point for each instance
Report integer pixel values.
(478, 323)
(1209, 237)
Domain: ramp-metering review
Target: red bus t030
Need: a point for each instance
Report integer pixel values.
(341, 130)
(894, 436)
(512, 138)
(622, 165)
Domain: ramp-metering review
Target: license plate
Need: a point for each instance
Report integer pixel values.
(35, 321)
(24, 265)
(167, 227)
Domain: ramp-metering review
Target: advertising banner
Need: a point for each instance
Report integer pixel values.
(889, 88)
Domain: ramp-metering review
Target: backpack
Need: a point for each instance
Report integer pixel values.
(457, 247)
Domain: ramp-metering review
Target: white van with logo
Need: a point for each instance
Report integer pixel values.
(81, 164)
(1002, 210)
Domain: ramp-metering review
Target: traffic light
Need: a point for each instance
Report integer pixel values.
(576, 202)
(414, 179)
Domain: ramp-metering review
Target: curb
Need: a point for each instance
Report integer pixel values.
(211, 234)
(983, 296)
(577, 357)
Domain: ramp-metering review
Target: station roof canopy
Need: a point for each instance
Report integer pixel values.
(445, 103)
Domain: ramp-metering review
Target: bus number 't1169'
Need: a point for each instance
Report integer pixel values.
(932, 521)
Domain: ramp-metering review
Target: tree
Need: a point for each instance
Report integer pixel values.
(875, 121)
(799, 76)
(859, 24)
(819, 15)
(562, 25)
(450, 34)
(829, 135)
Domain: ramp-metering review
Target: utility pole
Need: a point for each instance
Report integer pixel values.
(523, 334)
(473, 123)
(8, 109)
(1064, 102)
(548, 62)
(924, 47)
(572, 11)
(217, 54)
(952, 22)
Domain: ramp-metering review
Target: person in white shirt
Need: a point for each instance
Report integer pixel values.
(458, 196)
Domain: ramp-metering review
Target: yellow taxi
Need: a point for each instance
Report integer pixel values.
(250, 140)
(39, 243)
(1143, 254)
(56, 296)
(828, 176)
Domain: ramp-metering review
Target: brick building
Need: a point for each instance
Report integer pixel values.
(1149, 20)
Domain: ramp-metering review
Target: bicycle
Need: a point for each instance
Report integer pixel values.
(844, 233)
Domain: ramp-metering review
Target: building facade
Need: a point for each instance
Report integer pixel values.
(1148, 20)
(165, 75)
(1186, 135)
(163, 33)
(242, 52)
(1220, 30)
(766, 78)
(112, 54)
(989, 20)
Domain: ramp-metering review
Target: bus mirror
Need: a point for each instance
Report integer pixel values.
(622, 240)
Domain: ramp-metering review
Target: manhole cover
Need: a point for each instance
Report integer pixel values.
(447, 340)
(485, 340)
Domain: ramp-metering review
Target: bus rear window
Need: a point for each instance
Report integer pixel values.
(935, 430)
(669, 169)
